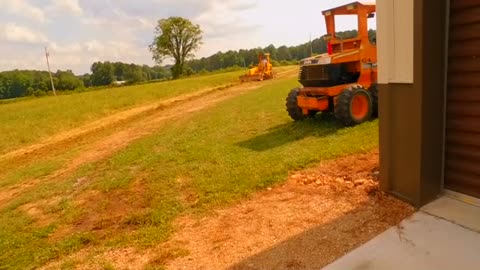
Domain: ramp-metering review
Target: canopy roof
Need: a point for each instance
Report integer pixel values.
(350, 9)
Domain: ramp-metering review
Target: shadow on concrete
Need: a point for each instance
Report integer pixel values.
(290, 132)
(320, 246)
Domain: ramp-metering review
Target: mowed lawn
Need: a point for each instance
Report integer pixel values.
(207, 160)
(28, 121)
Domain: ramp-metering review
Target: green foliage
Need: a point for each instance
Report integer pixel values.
(68, 81)
(105, 73)
(246, 58)
(176, 38)
(39, 93)
(86, 79)
(21, 83)
(102, 73)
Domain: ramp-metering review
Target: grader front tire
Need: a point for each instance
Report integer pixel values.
(293, 110)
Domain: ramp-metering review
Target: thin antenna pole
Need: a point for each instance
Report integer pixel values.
(49, 71)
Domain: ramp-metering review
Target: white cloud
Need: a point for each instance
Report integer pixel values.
(72, 48)
(94, 46)
(242, 4)
(120, 20)
(24, 9)
(70, 6)
(113, 50)
(121, 30)
(77, 56)
(79, 32)
(12, 32)
(227, 20)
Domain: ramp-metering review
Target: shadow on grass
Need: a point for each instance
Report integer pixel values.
(291, 132)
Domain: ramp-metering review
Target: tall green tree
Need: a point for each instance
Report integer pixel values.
(67, 80)
(102, 73)
(176, 38)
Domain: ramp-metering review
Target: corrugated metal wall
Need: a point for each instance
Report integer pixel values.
(462, 159)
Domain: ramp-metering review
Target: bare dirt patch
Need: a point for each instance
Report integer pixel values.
(316, 217)
(40, 211)
(104, 214)
(11, 192)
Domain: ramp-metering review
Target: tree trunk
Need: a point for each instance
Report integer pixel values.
(177, 70)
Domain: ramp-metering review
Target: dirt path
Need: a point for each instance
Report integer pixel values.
(126, 115)
(132, 124)
(317, 216)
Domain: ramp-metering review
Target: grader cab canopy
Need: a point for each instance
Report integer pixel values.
(363, 10)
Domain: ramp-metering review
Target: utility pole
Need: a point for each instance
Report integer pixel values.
(49, 71)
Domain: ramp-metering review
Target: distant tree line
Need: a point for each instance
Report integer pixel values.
(20, 83)
(280, 55)
(105, 73)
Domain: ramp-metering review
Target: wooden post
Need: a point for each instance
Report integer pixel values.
(49, 71)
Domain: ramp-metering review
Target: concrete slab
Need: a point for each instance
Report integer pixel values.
(423, 242)
(456, 211)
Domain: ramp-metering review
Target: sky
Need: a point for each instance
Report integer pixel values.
(80, 32)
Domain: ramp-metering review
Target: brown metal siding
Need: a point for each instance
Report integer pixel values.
(462, 157)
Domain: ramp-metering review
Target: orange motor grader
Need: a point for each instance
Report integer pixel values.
(343, 80)
(263, 71)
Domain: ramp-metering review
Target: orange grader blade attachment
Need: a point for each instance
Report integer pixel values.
(249, 78)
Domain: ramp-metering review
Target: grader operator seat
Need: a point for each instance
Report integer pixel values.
(343, 80)
(262, 64)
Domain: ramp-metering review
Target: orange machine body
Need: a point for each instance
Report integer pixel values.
(348, 63)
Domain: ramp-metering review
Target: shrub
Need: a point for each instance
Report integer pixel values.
(39, 93)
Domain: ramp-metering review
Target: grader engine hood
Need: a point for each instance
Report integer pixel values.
(328, 70)
(326, 59)
(323, 59)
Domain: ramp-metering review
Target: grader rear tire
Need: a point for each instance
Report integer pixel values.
(293, 110)
(373, 89)
(354, 106)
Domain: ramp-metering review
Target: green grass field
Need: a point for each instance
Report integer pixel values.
(206, 160)
(28, 121)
